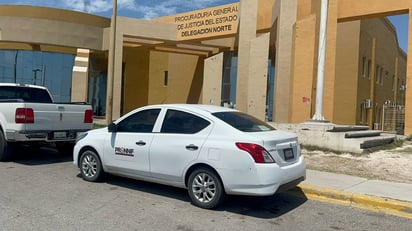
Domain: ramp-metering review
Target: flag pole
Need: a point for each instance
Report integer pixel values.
(321, 62)
(111, 65)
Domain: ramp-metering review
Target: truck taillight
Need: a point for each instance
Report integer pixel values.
(24, 116)
(88, 116)
(258, 153)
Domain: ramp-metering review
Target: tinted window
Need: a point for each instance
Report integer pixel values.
(142, 121)
(183, 123)
(27, 94)
(243, 122)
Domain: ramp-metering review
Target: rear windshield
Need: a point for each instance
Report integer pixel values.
(243, 122)
(27, 94)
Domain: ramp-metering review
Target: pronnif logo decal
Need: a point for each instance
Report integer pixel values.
(124, 151)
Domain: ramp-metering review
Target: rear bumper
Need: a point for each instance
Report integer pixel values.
(43, 136)
(265, 179)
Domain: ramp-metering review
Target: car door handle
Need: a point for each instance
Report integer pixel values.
(141, 143)
(192, 147)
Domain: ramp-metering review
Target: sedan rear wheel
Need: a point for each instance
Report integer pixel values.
(91, 167)
(205, 188)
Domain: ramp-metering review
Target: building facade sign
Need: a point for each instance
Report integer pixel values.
(211, 22)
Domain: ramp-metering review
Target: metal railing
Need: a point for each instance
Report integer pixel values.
(393, 118)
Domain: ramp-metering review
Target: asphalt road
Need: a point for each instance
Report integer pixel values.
(42, 190)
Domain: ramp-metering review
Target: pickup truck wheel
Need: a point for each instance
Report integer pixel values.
(91, 167)
(205, 188)
(6, 149)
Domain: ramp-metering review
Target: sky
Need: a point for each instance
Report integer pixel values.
(147, 9)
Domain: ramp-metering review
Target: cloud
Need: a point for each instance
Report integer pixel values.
(89, 6)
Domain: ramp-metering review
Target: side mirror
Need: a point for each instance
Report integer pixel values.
(112, 127)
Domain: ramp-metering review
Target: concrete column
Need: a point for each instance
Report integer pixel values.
(212, 80)
(303, 71)
(258, 78)
(252, 63)
(80, 76)
(118, 79)
(247, 32)
(285, 11)
(408, 91)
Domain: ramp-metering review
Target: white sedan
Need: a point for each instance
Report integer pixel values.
(212, 151)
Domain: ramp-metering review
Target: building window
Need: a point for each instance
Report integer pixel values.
(166, 78)
(363, 66)
(381, 76)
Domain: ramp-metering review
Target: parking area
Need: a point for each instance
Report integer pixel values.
(42, 190)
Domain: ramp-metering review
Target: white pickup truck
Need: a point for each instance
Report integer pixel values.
(29, 115)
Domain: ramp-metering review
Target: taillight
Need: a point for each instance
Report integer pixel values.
(88, 116)
(259, 153)
(24, 116)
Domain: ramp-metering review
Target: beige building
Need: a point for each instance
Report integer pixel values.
(359, 86)
(258, 56)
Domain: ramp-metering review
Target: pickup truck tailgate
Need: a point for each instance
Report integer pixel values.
(58, 117)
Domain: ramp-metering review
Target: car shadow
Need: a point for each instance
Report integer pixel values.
(266, 207)
(39, 155)
(147, 187)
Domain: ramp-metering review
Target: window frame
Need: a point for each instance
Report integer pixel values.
(178, 126)
(130, 127)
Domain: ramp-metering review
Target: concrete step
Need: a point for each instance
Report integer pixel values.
(370, 142)
(348, 128)
(333, 137)
(365, 133)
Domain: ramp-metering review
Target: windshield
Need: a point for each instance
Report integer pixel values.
(243, 122)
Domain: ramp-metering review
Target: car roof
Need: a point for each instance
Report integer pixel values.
(196, 107)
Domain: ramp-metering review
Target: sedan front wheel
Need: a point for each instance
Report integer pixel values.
(90, 166)
(205, 188)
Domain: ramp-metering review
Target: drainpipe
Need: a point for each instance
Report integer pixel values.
(15, 66)
(371, 113)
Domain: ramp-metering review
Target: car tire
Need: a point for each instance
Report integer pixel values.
(205, 188)
(6, 148)
(91, 167)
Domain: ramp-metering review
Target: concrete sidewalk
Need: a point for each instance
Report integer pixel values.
(383, 196)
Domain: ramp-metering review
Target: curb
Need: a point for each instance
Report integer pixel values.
(374, 203)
